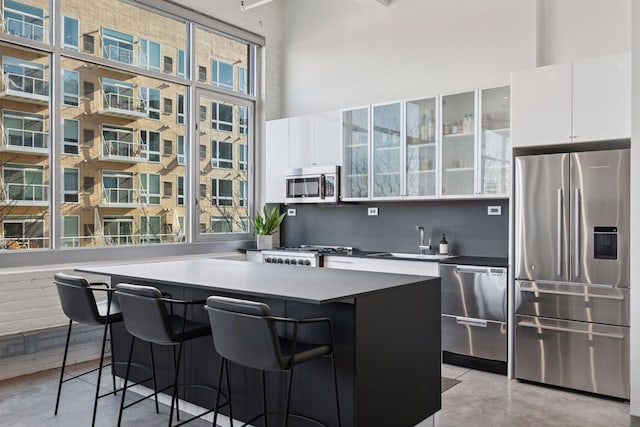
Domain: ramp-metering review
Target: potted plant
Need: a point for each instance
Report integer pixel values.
(265, 226)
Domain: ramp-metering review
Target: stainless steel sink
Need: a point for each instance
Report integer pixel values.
(407, 255)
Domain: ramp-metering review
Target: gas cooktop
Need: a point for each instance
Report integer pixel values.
(320, 249)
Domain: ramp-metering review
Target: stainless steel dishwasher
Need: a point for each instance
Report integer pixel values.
(474, 314)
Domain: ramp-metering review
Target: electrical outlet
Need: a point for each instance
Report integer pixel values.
(291, 212)
(372, 211)
(494, 210)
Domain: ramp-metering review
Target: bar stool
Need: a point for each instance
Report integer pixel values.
(244, 332)
(146, 318)
(79, 305)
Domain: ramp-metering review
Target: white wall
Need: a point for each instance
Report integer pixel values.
(635, 213)
(341, 53)
(575, 29)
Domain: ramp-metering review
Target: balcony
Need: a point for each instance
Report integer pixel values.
(12, 243)
(119, 54)
(20, 194)
(23, 88)
(24, 141)
(120, 198)
(124, 106)
(25, 30)
(124, 151)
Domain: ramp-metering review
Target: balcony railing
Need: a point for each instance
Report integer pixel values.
(12, 243)
(20, 194)
(124, 151)
(117, 53)
(24, 141)
(120, 105)
(26, 30)
(120, 197)
(25, 88)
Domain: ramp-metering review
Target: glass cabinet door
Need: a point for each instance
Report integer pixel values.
(421, 153)
(387, 146)
(495, 143)
(355, 159)
(458, 144)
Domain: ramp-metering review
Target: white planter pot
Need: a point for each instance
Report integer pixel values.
(268, 241)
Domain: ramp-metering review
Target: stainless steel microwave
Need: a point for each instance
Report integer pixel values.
(313, 185)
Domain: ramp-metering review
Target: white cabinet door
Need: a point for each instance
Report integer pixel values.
(300, 149)
(541, 106)
(276, 160)
(326, 139)
(602, 98)
(420, 268)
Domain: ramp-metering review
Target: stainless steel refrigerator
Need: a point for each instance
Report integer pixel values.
(572, 270)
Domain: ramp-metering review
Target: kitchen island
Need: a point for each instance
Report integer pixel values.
(387, 337)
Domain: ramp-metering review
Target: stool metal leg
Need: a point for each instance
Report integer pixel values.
(95, 401)
(226, 362)
(153, 372)
(264, 399)
(64, 362)
(174, 394)
(126, 378)
(113, 372)
(288, 401)
(335, 384)
(217, 408)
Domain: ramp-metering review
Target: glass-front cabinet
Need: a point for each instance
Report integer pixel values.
(387, 147)
(355, 154)
(421, 148)
(458, 144)
(495, 142)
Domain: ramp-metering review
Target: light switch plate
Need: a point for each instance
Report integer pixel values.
(372, 211)
(291, 212)
(494, 210)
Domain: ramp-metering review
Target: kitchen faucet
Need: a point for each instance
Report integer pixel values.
(423, 248)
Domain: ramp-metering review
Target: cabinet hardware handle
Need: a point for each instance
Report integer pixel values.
(470, 321)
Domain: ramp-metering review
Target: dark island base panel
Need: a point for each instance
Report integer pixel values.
(403, 394)
(495, 366)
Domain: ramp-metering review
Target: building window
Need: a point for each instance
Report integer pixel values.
(243, 120)
(242, 157)
(118, 230)
(151, 141)
(221, 74)
(150, 229)
(117, 189)
(24, 132)
(203, 113)
(221, 155)
(203, 191)
(221, 224)
(221, 192)
(23, 185)
(149, 55)
(25, 79)
(180, 108)
(71, 88)
(167, 106)
(242, 80)
(243, 199)
(202, 73)
(167, 147)
(117, 46)
(71, 177)
(180, 191)
(203, 152)
(222, 116)
(167, 64)
(181, 63)
(23, 20)
(71, 231)
(70, 33)
(71, 130)
(151, 100)
(150, 188)
(180, 144)
(23, 232)
(118, 95)
(167, 189)
(118, 144)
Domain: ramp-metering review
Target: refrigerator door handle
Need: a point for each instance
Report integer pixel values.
(573, 331)
(470, 321)
(571, 294)
(576, 249)
(559, 231)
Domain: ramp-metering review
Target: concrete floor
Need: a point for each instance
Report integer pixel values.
(480, 399)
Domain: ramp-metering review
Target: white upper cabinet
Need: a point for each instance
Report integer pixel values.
(326, 139)
(387, 132)
(300, 150)
(541, 106)
(587, 100)
(421, 129)
(355, 153)
(602, 98)
(276, 160)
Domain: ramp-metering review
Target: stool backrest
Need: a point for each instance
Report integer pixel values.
(77, 300)
(244, 334)
(145, 315)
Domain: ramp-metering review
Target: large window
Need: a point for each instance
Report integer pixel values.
(125, 138)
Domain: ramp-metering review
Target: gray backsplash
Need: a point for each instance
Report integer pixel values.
(469, 230)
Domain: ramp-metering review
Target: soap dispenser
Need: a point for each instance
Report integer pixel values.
(444, 246)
